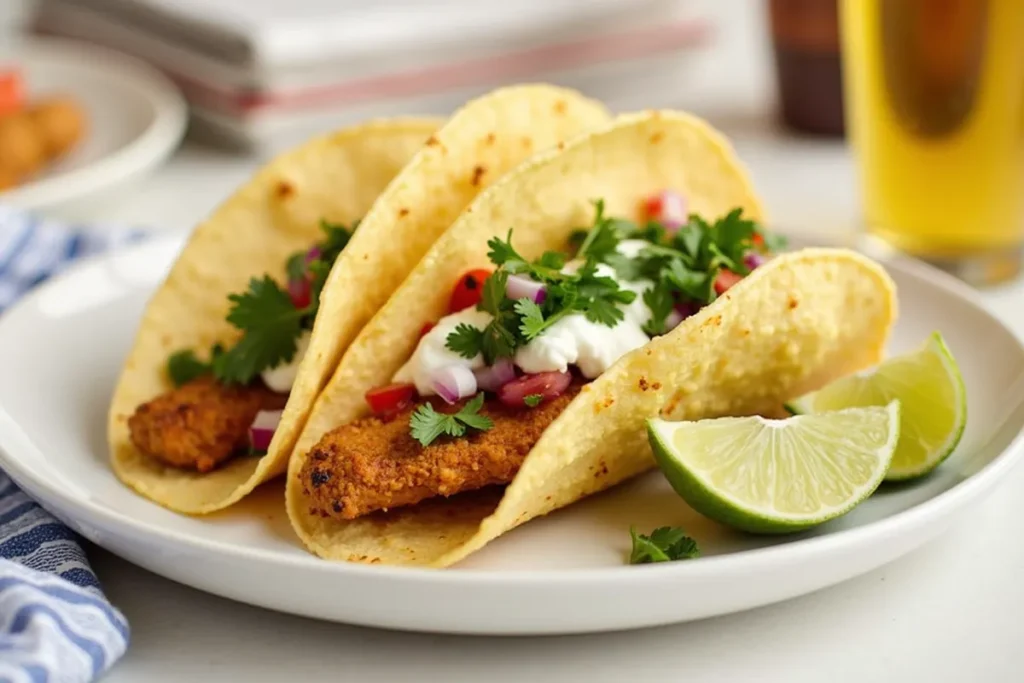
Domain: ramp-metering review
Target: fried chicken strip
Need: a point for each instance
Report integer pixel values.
(200, 424)
(374, 464)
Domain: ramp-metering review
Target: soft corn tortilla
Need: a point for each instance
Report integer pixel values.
(789, 327)
(407, 179)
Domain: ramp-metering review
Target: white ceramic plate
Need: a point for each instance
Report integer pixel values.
(136, 119)
(62, 348)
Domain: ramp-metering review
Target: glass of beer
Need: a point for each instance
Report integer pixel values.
(934, 96)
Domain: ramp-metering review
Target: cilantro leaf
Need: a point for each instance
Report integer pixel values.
(426, 424)
(493, 293)
(660, 302)
(665, 544)
(465, 340)
(605, 235)
(183, 367)
(531, 318)
(469, 415)
(336, 238)
(533, 400)
(295, 266)
(271, 327)
(501, 253)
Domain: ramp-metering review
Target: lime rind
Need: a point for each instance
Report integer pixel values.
(713, 501)
(877, 386)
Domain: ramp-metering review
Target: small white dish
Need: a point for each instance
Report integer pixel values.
(136, 119)
(63, 347)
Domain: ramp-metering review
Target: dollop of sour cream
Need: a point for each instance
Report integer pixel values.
(431, 354)
(280, 378)
(573, 340)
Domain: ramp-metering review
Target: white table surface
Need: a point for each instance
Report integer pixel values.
(948, 612)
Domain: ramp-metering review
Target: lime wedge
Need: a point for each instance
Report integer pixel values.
(777, 476)
(933, 404)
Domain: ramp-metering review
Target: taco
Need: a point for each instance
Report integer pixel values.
(271, 289)
(452, 419)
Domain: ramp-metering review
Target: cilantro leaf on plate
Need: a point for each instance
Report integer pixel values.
(533, 400)
(665, 544)
(426, 424)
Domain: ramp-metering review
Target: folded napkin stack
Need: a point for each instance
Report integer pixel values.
(256, 70)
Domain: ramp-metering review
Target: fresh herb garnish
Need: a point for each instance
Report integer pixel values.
(665, 544)
(533, 400)
(682, 265)
(426, 424)
(265, 313)
(517, 322)
(184, 366)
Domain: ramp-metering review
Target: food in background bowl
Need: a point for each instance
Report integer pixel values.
(34, 133)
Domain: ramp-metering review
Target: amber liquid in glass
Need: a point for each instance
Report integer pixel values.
(934, 91)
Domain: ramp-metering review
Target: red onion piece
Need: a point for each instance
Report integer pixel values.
(453, 382)
(261, 431)
(313, 254)
(547, 385)
(494, 377)
(754, 260)
(673, 320)
(300, 292)
(520, 287)
(668, 208)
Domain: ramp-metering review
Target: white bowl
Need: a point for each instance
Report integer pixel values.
(136, 120)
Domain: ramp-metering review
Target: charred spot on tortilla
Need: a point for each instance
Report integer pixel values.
(285, 189)
(403, 212)
(657, 137)
(490, 138)
(792, 303)
(561, 107)
(478, 174)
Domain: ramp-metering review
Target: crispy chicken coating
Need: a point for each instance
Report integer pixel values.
(374, 464)
(200, 424)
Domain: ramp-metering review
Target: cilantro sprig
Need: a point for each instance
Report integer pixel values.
(270, 322)
(517, 322)
(426, 424)
(665, 544)
(685, 265)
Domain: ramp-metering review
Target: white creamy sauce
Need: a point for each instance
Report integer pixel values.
(280, 378)
(431, 353)
(573, 340)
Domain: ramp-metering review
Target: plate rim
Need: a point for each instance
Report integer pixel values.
(947, 501)
(147, 150)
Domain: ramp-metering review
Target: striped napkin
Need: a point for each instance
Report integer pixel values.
(55, 623)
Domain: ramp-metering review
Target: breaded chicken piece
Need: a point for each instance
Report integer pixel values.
(375, 464)
(200, 424)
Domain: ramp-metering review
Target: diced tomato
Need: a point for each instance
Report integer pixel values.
(390, 398)
(757, 239)
(300, 292)
(725, 280)
(12, 92)
(667, 207)
(468, 290)
(547, 385)
(427, 327)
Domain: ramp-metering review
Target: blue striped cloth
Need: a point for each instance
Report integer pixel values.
(55, 622)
